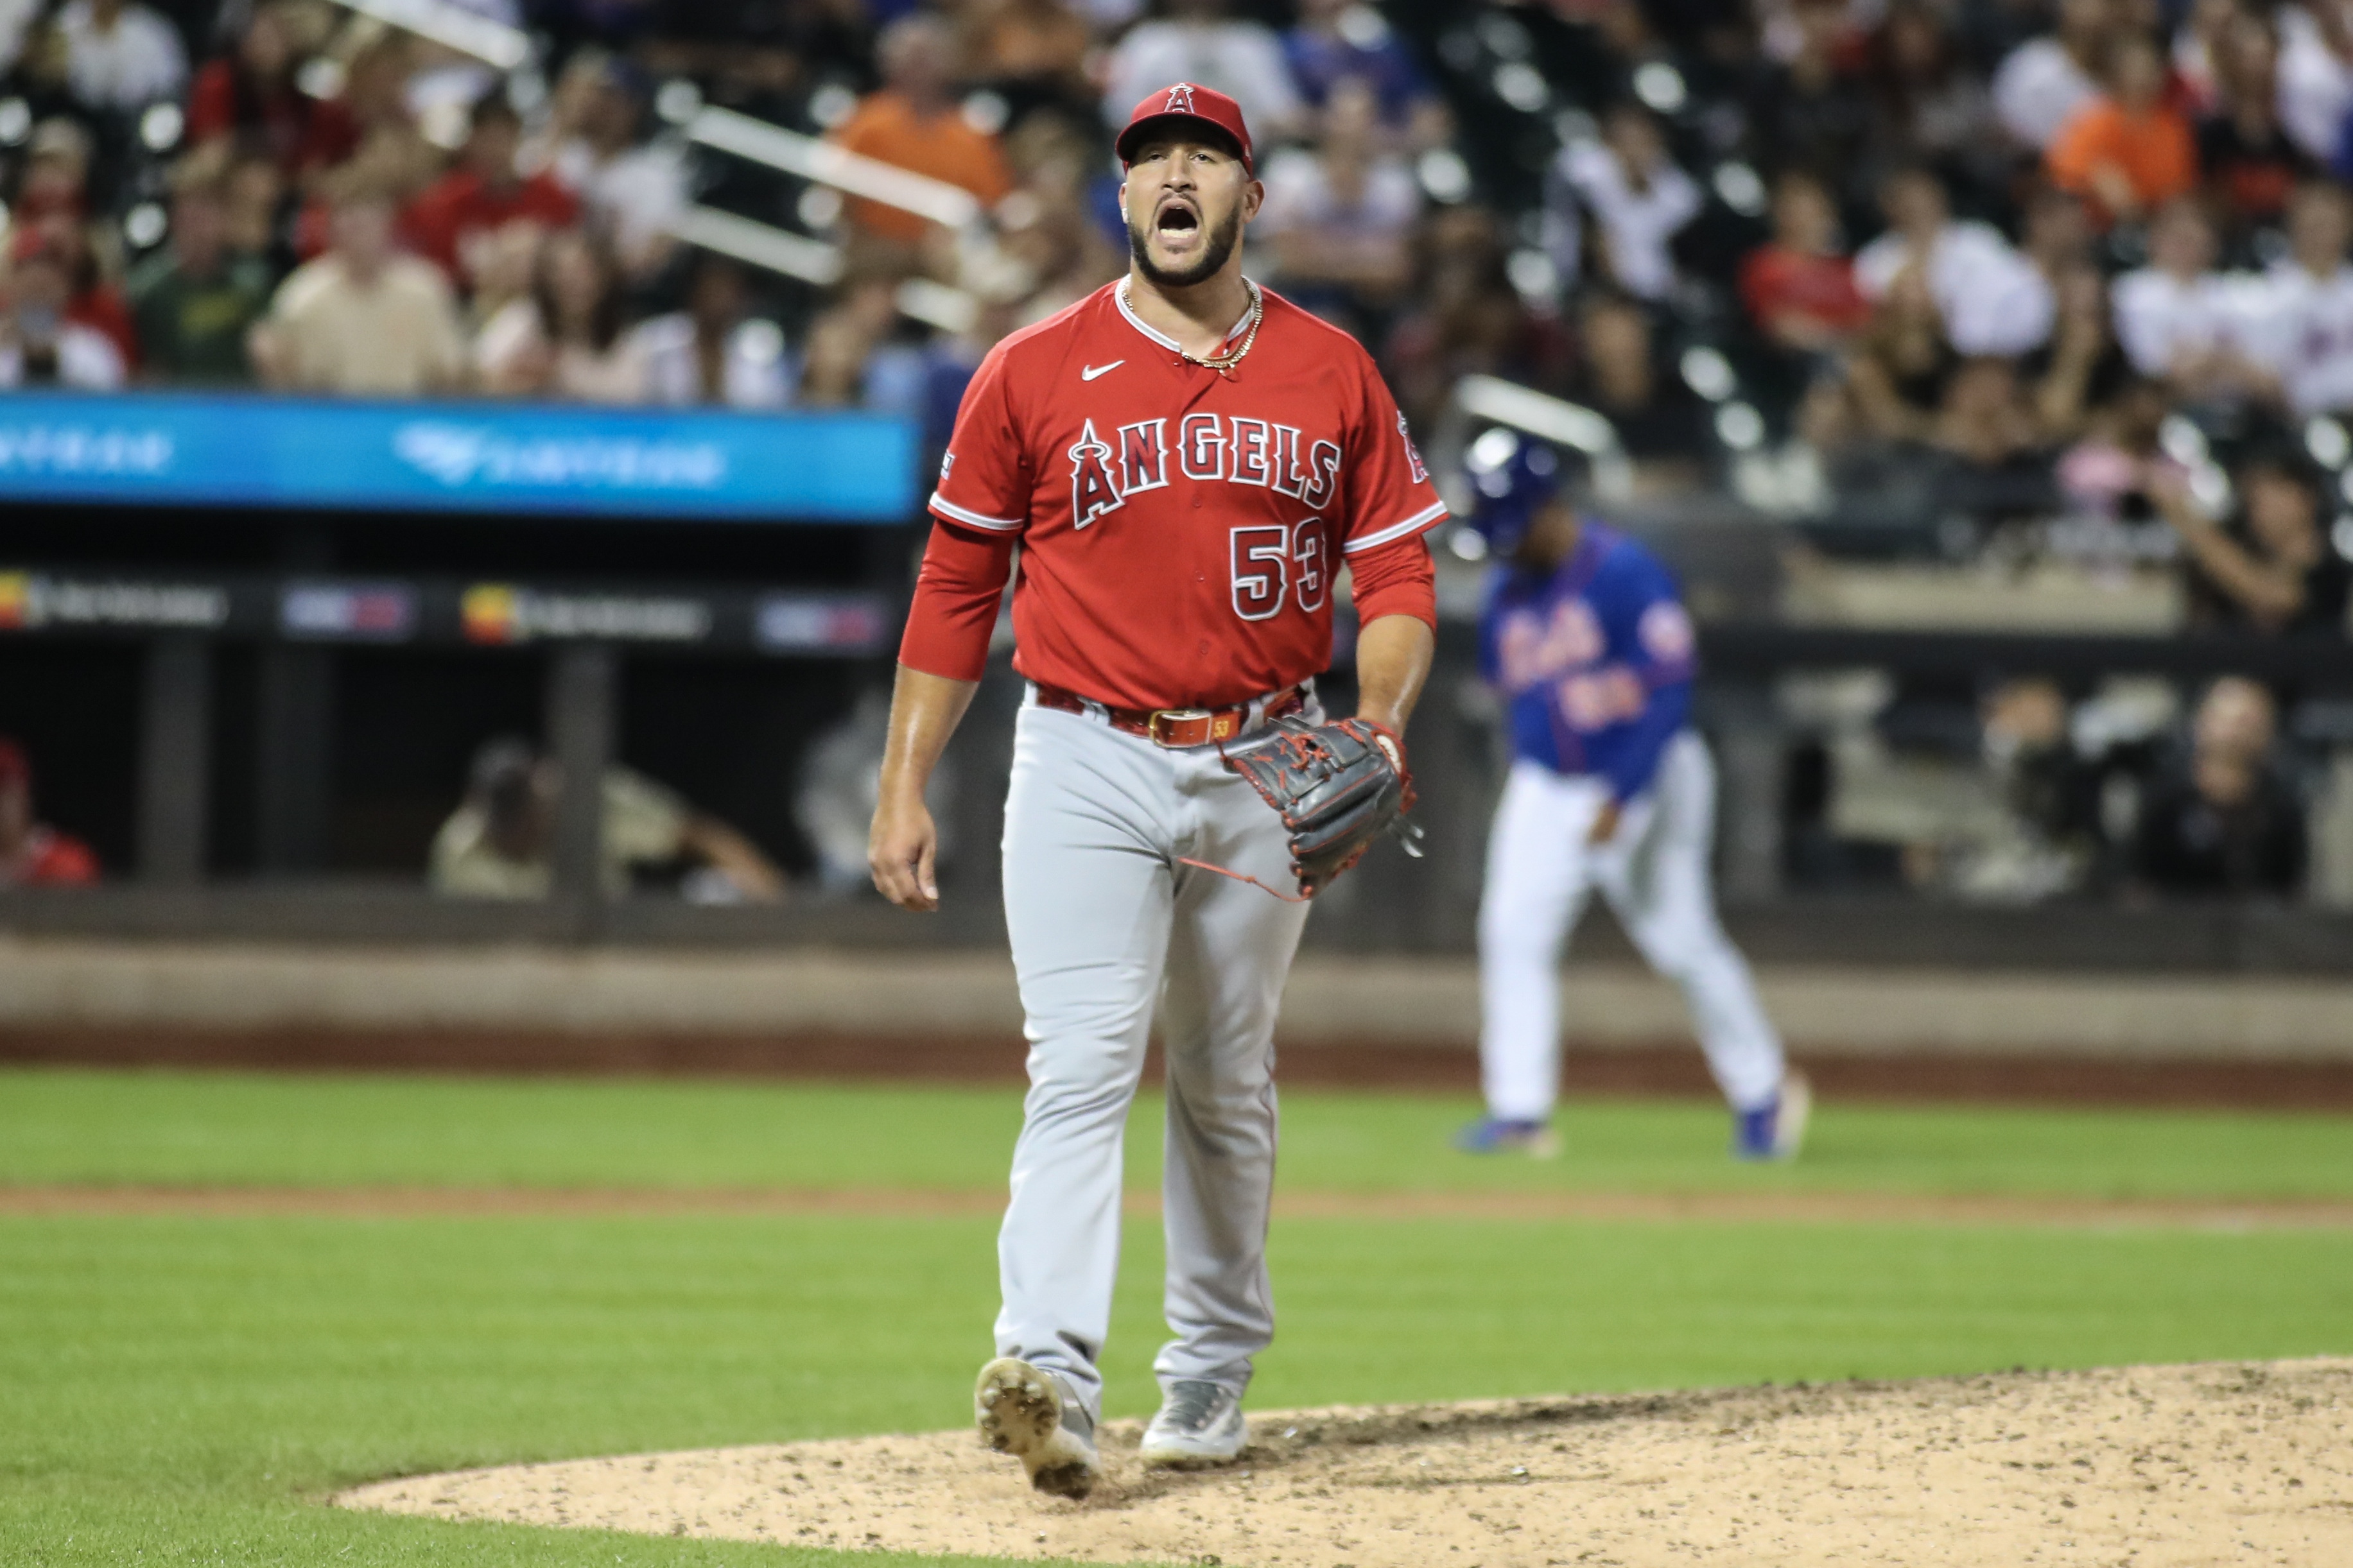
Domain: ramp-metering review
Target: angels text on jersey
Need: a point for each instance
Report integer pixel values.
(1203, 448)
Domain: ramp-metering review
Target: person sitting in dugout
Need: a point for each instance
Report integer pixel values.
(501, 841)
(32, 853)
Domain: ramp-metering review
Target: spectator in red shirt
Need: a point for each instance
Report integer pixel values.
(483, 193)
(1799, 288)
(383, 139)
(249, 100)
(33, 854)
(92, 300)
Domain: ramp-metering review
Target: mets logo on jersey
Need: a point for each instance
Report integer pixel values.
(1230, 448)
(1534, 648)
(1180, 99)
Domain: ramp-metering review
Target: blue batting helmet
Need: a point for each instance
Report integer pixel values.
(1513, 476)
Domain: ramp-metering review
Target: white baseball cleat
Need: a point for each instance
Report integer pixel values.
(1199, 1423)
(1025, 1411)
(1797, 1109)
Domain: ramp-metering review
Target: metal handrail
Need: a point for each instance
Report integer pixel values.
(814, 261)
(1572, 425)
(822, 162)
(493, 43)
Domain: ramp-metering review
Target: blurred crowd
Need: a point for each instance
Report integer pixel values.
(1776, 242)
(2059, 266)
(1977, 280)
(290, 195)
(2067, 282)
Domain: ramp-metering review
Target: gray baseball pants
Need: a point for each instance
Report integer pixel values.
(1106, 923)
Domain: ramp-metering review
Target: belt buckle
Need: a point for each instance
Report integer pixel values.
(1176, 727)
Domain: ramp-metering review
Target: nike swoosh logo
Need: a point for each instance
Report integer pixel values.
(1090, 372)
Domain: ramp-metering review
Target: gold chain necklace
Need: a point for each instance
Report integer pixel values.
(1221, 364)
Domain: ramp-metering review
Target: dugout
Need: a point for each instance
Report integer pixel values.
(250, 643)
(254, 639)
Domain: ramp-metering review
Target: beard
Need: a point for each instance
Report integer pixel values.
(1212, 259)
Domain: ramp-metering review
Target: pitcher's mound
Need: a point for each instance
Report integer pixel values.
(2157, 1467)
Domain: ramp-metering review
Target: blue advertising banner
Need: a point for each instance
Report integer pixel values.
(214, 450)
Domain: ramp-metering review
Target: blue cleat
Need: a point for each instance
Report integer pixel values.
(1497, 1135)
(1777, 1130)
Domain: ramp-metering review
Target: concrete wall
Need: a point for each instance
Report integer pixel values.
(59, 982)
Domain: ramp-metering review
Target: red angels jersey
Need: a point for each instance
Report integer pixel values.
(1180, 530)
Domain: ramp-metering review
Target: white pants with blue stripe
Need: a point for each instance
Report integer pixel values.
(1655, 872)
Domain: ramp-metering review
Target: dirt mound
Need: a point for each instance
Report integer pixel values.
(2157, 1467)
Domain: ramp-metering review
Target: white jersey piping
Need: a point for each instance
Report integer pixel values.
(977, 519)
(1419, 521)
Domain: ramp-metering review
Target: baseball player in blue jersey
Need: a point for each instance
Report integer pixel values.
(1586, 638)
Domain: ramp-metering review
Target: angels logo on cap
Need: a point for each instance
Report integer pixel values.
(1206, 106)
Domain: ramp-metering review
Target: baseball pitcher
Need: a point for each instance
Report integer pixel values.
(1184, 460)
(1587, 641)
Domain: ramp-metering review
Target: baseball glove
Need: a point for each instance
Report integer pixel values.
(1337, 787)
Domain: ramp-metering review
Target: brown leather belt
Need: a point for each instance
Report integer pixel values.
(1175, 726)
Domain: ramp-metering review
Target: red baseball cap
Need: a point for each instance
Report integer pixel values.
(1186, 101)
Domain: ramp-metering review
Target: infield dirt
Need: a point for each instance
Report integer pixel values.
(2156, 1467)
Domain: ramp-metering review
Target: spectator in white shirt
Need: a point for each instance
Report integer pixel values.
(38, 347)
(714, 351)
(2297, 319)
(1990, 297)
(120, 56)
(2174, 316)
(2316, 74)
(1197, 42)
(566, 339)
(2045, 80)
(1640, 200)
(1340, 217)
(632, 193)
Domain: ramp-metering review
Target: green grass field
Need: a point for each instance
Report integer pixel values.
(243, 1129)
(184, 1388)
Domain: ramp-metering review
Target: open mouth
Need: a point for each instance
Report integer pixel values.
(1177, 217)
